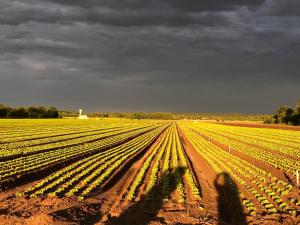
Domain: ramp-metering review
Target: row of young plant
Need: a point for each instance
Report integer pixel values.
(9, 135)
(265, 185)
(239, 168)
(132, 148)
(166, 178)
(37, 130)
(156, 169)
(189, 178)
(289, 148)
(86, 175)
(43, 129)
(24, 161)
(169, 161)
(24, 165)
(140, 176)
(177, 169)
(271, 134)
(217, 167)
(21, 152)
(285, 164)
(30, 144)
(289, 139)
(108, 140)
(277, 135)
(72, 174)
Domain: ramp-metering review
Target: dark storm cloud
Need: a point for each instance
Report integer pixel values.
(179, 5)
(283, 8)
(150, 55)
(120, 13)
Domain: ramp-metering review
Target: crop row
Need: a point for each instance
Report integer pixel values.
(285, 164)
(146, 165)
(58, 138)
(287, 140)
(287, 147)
(21, 152)
(44, 130)
(35, 129)
(286, 137)
(30, 163)
(254, 181)
(86, 175)
(166, 164)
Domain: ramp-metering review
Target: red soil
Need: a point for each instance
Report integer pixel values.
(101, 208)
(207, 175)
(108, 206)
(66, 210)
(204, 173)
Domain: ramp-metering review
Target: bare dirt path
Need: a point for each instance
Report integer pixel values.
(205, 174)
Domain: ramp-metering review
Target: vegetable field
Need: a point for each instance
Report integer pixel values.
(119, 171)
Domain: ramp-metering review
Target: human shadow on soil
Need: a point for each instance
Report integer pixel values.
(230, 210)
(145, 210)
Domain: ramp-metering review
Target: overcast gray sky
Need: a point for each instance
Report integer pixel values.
(154, 55)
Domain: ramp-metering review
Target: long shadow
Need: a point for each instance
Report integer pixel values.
(145, 210)
(229, 205)
(288, 178)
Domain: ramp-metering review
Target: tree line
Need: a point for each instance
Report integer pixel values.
(171, 116)
(135, 115)
(286, 115)
(28, 112)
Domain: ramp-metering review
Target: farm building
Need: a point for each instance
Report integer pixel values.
(81, 116)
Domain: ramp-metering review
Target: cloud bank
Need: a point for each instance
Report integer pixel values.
(167, 55)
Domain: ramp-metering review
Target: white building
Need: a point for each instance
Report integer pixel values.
(81, 116)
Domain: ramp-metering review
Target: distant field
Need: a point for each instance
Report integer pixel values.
(122, 171)
(260, 124)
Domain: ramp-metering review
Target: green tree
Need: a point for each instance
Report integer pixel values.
(52, 112)
(296, 114)
(4, 110)
(32, 112)
(18, 113)
(285, 114)
(297, 107)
